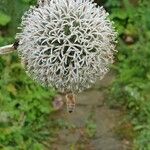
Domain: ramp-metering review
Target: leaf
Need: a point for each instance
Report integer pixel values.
(38, 146)
(119, 13)
(1, 40)
(8, 148)
(11, 88)
(4, 19)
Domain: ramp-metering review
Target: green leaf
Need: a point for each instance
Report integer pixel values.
(4, 19)
(119, 13)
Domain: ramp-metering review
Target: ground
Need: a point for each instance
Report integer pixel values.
(93, 125)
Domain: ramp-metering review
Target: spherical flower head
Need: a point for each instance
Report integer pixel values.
(67, 44)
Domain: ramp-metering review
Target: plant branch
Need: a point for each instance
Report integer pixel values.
(7, 49)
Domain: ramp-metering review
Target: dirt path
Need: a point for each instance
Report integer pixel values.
(92, 126)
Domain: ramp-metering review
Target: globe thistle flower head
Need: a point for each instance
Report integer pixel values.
(67, 44)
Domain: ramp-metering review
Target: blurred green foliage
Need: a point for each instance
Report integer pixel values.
(4, 19)
(26, 106)
(132, 85)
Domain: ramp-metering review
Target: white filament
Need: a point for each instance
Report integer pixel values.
(67, 44)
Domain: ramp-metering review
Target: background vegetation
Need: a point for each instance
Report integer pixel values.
(24, 104)
(132, 85)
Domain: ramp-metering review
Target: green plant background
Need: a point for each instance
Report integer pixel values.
(24, 103)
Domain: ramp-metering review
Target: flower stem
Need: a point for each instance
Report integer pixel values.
(7, 49)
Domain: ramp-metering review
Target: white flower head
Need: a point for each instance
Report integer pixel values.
(67, 44)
